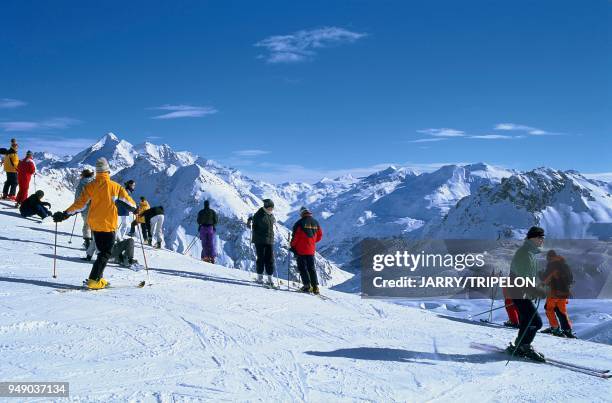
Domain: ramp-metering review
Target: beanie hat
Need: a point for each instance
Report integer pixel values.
(535, 232)
(29, 153)
(86, 173)
(102, 165)
(304, 211)
(268, 203)
(40, 193)
(206, 203)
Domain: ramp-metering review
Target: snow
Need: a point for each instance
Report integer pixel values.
(207, 333)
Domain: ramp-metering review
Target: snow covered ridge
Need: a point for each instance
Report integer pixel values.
(455, 201)
(181, 181)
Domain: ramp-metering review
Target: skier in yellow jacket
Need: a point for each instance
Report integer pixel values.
(10, 162)
(102, 195)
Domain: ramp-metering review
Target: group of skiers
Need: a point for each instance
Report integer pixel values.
(522, 311)
(18, 173)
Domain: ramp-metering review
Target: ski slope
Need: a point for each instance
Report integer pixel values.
(202, 332)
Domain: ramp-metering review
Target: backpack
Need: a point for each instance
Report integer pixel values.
(4, 151)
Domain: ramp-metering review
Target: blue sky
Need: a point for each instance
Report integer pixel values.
(299, 90)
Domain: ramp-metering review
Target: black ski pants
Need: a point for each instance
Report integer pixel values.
(265, 258)
(104, 242)
(10, 186)
(306, 267)
(529, 321)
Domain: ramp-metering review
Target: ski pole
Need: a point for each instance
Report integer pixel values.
(55, 252)
(492, 299)
(288, 260)
(72, 233)
(144, 255)
(491, 310)
(35, 182)
(189, 247)
(518, 342)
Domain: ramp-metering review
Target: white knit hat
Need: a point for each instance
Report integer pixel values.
(102, 165)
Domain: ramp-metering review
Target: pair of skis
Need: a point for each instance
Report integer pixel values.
(109, 286)
(597, 372)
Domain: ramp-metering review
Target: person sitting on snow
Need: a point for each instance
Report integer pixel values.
(34, 205)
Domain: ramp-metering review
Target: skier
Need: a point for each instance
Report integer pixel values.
(102, 217)
(558, 277)
(262, 226)
(87, 176)
(25, 169)
(123, 253)
(34, 205)
(11, 162)
(524, 265)
(139, 219)
(154, 221)
(306, 233)
(207, 225)
(123, 212)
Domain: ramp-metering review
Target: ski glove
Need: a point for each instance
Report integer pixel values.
(60, 216)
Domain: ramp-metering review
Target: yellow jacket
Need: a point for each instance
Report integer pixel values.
(101, 194)
(144, 206)
(11, 161)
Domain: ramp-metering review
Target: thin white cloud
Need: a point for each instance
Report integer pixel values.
(442, 132)
(494, 137)
(43, 125)
(250, 153)
(534, 131)
(9, 103)
(57, 145)
(302, 45)
(429, 140)
(183, 111)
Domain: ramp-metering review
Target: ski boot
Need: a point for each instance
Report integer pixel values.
(569, 334)
(86, 258)
(259, 279)
(149, 242)
(158, 245)
(558, 332)
(307, 289)
(550, 330)
(96, 284)
(509, 323)
(527, 351)
(315, 290)
(86, 243)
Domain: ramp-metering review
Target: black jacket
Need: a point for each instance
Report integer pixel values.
(152, 212)
(30, 204)
(207, 216)
(263, 227)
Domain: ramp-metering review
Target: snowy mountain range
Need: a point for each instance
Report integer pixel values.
(476, 201)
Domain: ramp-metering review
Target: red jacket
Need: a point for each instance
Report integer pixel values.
(306, 233)
(25, 170)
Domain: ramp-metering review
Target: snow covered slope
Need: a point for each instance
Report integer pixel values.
(207, 333)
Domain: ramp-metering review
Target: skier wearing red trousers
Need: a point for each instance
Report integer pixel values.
(25, 170)
(306, 233)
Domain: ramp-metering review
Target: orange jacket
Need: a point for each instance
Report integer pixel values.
(101, 194)
(142, 207)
